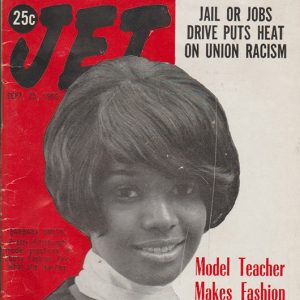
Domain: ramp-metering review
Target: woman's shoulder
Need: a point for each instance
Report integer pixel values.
(62, 292)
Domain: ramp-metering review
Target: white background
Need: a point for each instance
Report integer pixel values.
(261, 98)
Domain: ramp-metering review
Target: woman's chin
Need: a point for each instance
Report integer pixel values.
(159, 278)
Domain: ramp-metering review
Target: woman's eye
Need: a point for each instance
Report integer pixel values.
(127, 192)
(184, 189)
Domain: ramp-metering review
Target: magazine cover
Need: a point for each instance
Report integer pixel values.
(150, 150)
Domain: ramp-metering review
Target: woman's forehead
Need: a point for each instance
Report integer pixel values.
(139, 169)
(130, 168)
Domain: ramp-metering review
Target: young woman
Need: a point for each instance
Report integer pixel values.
(140, 158)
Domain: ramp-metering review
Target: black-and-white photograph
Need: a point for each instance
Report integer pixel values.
(140, 158)
(150, 150)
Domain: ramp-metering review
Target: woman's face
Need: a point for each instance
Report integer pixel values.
(154, 223)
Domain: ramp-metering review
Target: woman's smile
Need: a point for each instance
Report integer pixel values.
(162, 251)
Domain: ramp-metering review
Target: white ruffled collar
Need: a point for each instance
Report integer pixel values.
(98, 280)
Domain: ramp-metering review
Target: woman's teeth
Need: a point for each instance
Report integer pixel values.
(159, 250)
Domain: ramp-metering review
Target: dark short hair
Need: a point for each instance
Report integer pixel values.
(132, 110)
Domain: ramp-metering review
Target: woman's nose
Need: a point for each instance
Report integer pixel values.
(159, 214)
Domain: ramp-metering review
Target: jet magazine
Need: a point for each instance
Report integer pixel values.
(150, 150)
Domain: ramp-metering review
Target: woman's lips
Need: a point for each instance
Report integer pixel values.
(162, 251)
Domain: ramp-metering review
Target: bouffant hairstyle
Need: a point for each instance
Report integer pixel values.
(134, 110)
